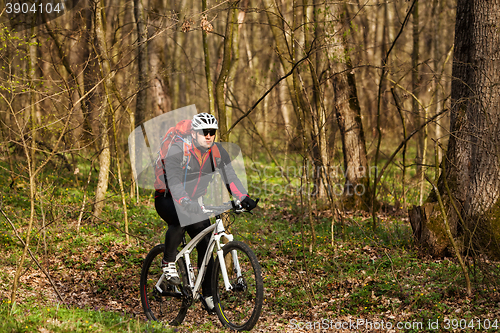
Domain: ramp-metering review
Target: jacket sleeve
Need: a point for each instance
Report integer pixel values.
(175, 174)
(233, 183)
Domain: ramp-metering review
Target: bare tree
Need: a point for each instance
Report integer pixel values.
(142, 63)
(347, 109)
(220, 85)
(106, 107)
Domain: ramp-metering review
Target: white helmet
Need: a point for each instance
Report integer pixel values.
(204, 121)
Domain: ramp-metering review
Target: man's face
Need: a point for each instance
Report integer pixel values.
(205, 141)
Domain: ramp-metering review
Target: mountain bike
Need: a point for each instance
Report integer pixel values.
(237, 285)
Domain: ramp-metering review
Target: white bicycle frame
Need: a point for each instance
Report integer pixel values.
(218, 232)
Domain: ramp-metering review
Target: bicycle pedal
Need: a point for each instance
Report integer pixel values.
(206, 306)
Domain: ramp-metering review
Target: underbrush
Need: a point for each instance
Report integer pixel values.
(347, 271)
(352, 271)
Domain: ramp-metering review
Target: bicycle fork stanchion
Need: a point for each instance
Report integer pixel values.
(220, 252)
(236, 263)
(222, 263)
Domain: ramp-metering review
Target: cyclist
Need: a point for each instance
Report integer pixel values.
(185, 184)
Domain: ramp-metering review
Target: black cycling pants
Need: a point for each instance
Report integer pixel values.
(165, 208)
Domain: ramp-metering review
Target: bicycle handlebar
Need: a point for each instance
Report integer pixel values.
(235, 206)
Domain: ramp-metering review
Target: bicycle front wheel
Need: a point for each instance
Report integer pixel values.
(168, 305)
(238, 308)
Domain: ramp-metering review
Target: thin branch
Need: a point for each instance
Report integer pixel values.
(450, 235)
(32, 256)
(379, 100)
(269, 90)
(403, 143)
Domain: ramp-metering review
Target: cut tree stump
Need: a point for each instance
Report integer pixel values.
(429, 231)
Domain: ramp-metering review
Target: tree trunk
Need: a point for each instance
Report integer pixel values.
(316, 105)
(276, 22)
(418, 115)
(30, 153)
(238, 19)
(206, 53)
(283, 97)
(357, 186)
(91, 102)
(142, 63)
(176, 55)
(220, 94)
(472, 165)
(105, 153)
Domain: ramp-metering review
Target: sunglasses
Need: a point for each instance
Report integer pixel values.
(207, 131)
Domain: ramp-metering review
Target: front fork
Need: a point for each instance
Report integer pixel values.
(222, 262)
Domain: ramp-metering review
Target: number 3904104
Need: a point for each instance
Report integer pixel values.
(484, 324)
(28, 8)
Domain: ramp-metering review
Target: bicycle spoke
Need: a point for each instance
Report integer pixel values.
(166, 306)
(239, 308)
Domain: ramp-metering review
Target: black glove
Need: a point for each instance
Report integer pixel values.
(248, 203)
(190, 206)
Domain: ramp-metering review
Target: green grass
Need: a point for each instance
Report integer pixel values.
(30, 317)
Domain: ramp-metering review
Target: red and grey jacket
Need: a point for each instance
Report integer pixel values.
(191, 178)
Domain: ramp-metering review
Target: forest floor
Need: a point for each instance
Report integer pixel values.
(355, 280)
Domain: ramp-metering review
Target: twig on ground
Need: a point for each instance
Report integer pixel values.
(33, 257)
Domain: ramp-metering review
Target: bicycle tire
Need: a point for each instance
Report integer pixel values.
(239, 308)
(167, 307)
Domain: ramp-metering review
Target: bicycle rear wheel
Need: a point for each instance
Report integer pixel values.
(240, 307)
(169, 305)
